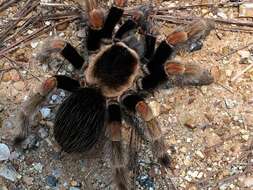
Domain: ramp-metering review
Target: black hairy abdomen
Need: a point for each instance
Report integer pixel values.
(79, 122)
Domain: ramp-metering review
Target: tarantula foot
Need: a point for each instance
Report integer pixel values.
(60, 46)
(165, 160)
(48, 85)
(48, 47)
(121, 178)
(177, 37)
(23, 123)
(187, 74)
(120, 3)
(174, 68)
(96, 18)
(18, 140)
(199, 29)
(189, 38)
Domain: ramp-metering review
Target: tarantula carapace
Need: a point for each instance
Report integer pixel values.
(116, 82)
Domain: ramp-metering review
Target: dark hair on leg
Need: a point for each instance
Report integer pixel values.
(70, 53)
(150, 42)
(93, 39)
(162, 53)
(125, 28)
(67, 83)
(112, 19)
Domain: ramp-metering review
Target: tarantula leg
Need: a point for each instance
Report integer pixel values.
(70, 53)
(128, 26)
(162, 53)
(136, 104)
(113, 131)
(150, 42)
(178, 74)
(65, 49)
(96, 22)
(187, 74)
(28, 110)
(112, 19)
(195, 32)
(155, 68)
(131, 24)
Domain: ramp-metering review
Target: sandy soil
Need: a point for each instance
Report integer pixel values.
(208, 129)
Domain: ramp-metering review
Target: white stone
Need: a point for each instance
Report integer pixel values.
(45, 112)
(34, 44)
(4, 152)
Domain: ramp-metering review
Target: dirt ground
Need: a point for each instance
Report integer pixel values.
(208, 129)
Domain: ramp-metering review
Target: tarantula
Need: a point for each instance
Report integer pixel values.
(116, 82)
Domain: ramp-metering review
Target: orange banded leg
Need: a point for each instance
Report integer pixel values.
(96, 22)
(114, 127)
(64, 48)
(99, 27)
(134, 103)
(30, 107)
(192, 33)
(113, 17)
(181, 74)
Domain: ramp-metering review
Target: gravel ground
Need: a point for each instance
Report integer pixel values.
(209, 129)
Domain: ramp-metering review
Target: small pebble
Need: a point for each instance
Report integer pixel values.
(230, 103)
(34, 44)
(4, 152)
(246, 181)
(43, 133)
(45, 112)
(28, 180)
(9, 172)
(31, 142)
(212, 139)
(57, 172)
(81, 33)
(195, 46)
(19, 85)
(74, 188)
(51, 181)
(54, 97)
(38, 167)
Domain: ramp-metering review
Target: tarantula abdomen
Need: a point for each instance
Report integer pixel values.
(79, 121)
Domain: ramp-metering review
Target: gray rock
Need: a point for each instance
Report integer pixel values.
(54, 97)
(230, 103)
(51, 181)
(43, 133)
(74, 188)
(45, 112)
(28, 180)
(57, 172)
(4, 152)
(38, 167)
(31, 142)
(9, 172)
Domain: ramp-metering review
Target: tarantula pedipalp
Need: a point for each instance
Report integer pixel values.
(114, 82)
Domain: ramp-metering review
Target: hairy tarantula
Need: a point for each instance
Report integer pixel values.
(116, 83)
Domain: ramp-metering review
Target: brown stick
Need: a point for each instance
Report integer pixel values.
(31, 37)
(6, 4)
(29, 6)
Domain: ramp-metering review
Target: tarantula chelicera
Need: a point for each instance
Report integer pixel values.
(116, 82)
